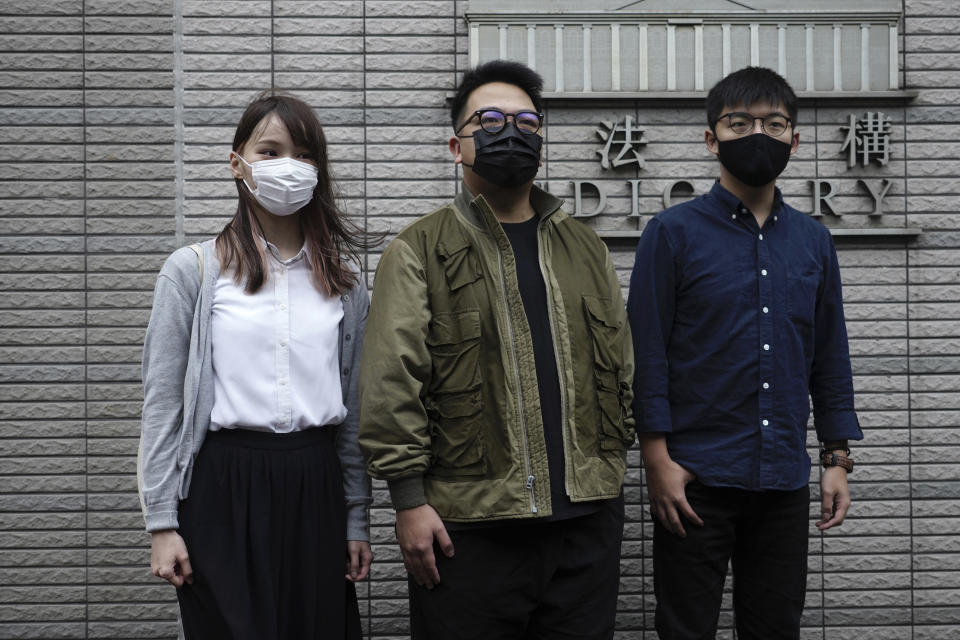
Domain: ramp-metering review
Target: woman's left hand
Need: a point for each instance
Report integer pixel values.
(359, 557)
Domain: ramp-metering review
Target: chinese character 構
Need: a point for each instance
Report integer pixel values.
(867, 138)
(626, 136)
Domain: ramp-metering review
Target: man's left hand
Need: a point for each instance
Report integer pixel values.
(835, 498)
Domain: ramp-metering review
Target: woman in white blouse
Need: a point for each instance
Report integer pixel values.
(253, 487)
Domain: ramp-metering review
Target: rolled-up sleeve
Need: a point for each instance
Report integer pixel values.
(650, 309)
(831, 378)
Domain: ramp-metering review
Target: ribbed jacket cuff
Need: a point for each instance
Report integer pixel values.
(407, 493)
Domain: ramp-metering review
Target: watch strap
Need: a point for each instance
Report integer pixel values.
(836, 459)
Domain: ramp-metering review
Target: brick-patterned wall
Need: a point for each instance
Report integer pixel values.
(115, 123)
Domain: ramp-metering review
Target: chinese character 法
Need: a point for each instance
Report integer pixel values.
(625, 136)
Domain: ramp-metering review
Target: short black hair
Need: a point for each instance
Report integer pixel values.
(748, 86)
(506, 71)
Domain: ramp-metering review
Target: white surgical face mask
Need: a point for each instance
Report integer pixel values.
(284, 185)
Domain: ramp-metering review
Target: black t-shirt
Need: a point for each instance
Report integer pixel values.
(533, 291)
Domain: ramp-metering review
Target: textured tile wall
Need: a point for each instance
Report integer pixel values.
(116, 118)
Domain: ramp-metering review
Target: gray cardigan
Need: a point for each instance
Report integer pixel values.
(178, 390)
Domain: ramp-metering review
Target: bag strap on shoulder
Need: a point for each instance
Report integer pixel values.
(197, 249)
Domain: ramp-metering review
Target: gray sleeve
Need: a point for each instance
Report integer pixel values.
(165, 353)
(356, 482)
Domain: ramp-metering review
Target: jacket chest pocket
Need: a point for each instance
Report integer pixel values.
(460, 266)
(611, 391)
(454, 400)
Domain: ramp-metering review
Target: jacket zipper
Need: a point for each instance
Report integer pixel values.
(560, 368)
(516, 373)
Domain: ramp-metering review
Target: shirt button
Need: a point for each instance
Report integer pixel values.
(283, 382)
(346, 297)
(346, 370)
(734, 216)
(774, 218)
(766, 347)
(761, 236)
(766, 385)
(766, 310)
(763, 272)
(766, 423)
(346, 337)
(283, 307)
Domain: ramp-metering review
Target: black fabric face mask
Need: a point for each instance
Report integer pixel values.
(756, 159)
(507, 158)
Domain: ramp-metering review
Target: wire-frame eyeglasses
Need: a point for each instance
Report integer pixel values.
(772, 124)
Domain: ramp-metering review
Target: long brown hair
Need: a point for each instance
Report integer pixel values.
(333, 240)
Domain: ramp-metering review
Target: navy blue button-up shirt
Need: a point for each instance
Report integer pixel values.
(735, 327)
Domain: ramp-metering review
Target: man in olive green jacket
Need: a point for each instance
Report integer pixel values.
(495, 391)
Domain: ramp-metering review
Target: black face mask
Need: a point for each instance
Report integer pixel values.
(756, 159)
(507, 158)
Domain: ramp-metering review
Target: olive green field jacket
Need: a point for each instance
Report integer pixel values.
(449, 403)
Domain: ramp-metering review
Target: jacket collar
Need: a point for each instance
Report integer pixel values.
(477, 210)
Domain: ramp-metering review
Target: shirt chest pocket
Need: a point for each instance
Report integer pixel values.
(802, 287)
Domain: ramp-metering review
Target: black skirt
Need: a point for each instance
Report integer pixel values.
(265, 528)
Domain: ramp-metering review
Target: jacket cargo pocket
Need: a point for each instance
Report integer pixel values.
(608, 361)
(456, 438)
(454, 401)
(453, 340)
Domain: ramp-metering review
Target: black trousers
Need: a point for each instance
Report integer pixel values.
(765, 533)
(265, 527)
(537, 581)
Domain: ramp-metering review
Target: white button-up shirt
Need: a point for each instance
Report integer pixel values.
(275, 352)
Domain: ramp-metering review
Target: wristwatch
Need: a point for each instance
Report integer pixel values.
(837, 458)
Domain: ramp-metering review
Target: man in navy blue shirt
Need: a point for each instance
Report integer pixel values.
(737, 318)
